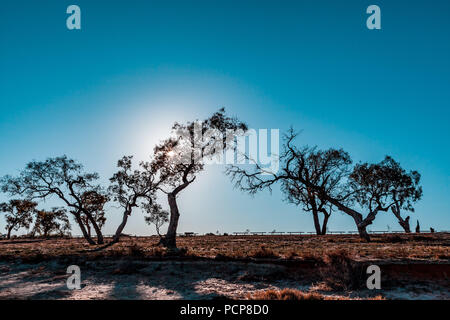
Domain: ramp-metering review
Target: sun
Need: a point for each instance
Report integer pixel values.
(171, 153)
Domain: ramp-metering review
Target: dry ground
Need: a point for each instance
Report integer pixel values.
(414, 266)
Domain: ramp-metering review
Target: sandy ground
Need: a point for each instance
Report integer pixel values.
(131, 279)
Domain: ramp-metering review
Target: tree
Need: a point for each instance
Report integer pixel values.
(19, 213)
(156, 216)
(54, 221)
(61, 177)
(324, 168)
(370, 186)
(303, 172)
(132, 187)
(94, 203)
(405, 192)
(383, 186)
(180, 158)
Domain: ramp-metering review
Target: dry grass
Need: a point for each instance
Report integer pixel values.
(286, 294)
(264, 253)
(294, 294)
(425, 248)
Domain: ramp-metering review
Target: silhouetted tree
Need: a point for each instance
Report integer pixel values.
(405, 190)
(156, 216)
(131, 187)
(180, 158)
(303, 172)
(61, 177)
(324, 168)
(18, 213)
(418, 227)
(370, 186)
(53, 221)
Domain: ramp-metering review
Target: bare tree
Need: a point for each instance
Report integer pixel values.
(53, 221)
(18, 213)
(305, 173)
(156, 216)
(61, 177)
(179, 159)
(131, 187)
(324, 168)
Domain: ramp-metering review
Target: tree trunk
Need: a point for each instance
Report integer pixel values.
(119, 230)
(96, 228)
(404, 223)
(363, 233)
(8, 236)
(353, 213)
(324, 223)
(362, 224)
(169, 241)
(88, 227)
(83, 229)
(316, 222)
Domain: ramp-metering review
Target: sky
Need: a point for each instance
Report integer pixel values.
(116, 86)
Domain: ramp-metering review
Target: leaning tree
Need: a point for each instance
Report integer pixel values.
(383, 186)
(405, 192)
(18, 213)
(132, 188)
(371, 189)
(59, 177)
(324, 169)
(181, 157)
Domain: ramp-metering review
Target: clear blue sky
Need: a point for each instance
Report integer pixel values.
(114, 87)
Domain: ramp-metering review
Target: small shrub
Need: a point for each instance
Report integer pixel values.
(136, 250)
(157, 252)
(340, 272)
(264, 253)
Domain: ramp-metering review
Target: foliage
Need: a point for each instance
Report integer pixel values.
(156, 216)
(18, 213)
(61, 177)
(53, 221)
